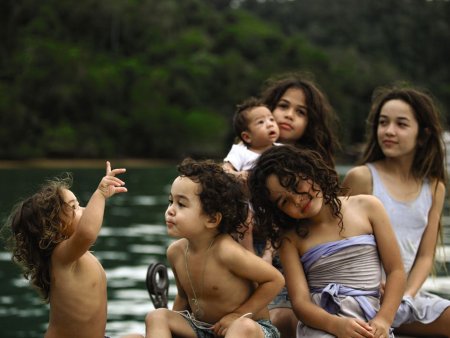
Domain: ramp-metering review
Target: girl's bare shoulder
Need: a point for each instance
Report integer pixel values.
(361, 201)
(358, 180)
(359, 212)
(291, 236)
(359, 170)
(437, 187)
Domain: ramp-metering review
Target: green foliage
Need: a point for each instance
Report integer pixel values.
(113, 78)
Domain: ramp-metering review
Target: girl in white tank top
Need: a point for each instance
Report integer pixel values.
(403, 165)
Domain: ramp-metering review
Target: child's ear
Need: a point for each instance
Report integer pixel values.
(215, 220)
(246, 137)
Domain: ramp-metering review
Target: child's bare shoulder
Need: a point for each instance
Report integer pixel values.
(227, 250)
(361, 201)
(437, 187)
(226, 242)
(64, 257)
(291, 236)
(358, 180)
(360, 171)
(175, 248)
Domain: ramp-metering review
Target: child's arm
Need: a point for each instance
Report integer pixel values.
(234, 162)
(228, 167)
(268, 280)
(180, 302)
(268, 253)
(425, 255)
(86, 232)
(173, 253)
(309, 313)
(392, 263)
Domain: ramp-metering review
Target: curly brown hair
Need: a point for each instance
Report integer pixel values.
(290, 164)
(37, 225)
(220, 193)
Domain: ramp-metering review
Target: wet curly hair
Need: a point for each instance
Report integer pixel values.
(220, 193)
(290, 164)
(36, 226)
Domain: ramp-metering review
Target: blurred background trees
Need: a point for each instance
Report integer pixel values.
(161, 78)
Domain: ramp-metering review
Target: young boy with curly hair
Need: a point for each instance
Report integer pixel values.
(223, 289)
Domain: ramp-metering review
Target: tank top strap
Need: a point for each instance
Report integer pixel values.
(408, 218)
(379, 189)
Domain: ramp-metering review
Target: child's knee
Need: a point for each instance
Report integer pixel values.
(246, 327)
(157, 316)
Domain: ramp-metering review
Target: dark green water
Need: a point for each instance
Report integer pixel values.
(133, 236)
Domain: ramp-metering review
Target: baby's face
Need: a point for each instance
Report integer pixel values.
(262, 130)
(71, 200)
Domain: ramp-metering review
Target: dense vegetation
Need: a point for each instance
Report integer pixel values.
(161, 78)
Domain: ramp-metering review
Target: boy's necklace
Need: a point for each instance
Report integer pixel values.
(198, 311)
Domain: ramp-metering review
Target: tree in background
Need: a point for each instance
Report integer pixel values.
(160, 79)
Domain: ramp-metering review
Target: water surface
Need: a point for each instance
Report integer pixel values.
(133, 236)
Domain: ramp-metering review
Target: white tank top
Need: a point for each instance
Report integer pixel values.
(409, 219)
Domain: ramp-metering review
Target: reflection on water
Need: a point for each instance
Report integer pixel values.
(133, 236)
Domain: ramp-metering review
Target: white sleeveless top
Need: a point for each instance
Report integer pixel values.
(409, 219)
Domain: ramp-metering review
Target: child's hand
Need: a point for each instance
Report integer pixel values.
(220, 328)
(110, 185)
(380, 328)
(352, 327)
(243, 175)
